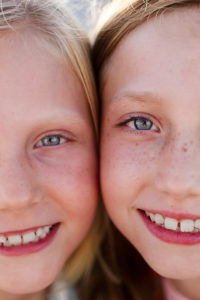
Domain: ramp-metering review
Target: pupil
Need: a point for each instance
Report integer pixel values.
(51, 140)
(143, 124)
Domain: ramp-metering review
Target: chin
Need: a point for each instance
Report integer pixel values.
(173, 269)
(28, 285)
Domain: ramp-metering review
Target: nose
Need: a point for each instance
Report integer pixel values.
(178, 173)
(16, 185)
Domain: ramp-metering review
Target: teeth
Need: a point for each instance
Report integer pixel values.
(159, 219)
(152, 217)
(186, 225)
(171, 223)
(197, 224)
(28, 237)
(41, 233)
(2, 239)
(15, 240)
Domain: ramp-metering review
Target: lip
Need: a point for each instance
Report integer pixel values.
(170, 236)
(32, 247)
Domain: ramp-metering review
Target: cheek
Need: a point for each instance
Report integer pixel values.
(126, 167)
(70, 180)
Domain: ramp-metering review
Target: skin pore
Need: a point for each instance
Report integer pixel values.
(150, 139)
(48, 168)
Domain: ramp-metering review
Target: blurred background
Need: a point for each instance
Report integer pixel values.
(87, 11)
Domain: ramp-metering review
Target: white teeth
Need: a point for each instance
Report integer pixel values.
(47, 229)
(15, 240)
(152, 217)
(41, 233)
(7, 244)
(2, 239)
(171, 223)
(159, 219)
(28, 237)
(197, 224)
(186, 226)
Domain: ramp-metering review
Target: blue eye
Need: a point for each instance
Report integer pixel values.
(142, 124)
(139, 124)
(51, 140)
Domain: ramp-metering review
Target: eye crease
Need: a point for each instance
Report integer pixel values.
(51, 140)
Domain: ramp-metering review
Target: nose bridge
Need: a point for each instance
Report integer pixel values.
(178, 171)
(16, 190)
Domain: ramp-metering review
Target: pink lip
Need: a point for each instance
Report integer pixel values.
(32, 247)
(170, 236)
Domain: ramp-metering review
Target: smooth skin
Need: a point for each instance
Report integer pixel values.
(154, 74)
(41, 183)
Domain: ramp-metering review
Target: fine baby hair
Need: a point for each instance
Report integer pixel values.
(146, 62)
(43, 33)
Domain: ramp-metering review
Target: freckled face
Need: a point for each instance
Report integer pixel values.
(150, 136)
(47, 161)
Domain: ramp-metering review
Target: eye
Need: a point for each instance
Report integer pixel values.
(51, 140)
(138, 123)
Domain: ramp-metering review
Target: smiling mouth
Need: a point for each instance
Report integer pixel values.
(184, 225)
(27, 241)
(33, 236)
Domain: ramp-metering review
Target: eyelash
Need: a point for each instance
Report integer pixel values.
(134, 119)
(60, 140)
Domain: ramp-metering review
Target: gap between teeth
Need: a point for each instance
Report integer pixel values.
(26, 238)
(185, 225)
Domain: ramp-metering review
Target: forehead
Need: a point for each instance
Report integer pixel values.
(160, 41)
(30, 73)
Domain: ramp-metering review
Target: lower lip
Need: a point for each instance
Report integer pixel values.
(32, 247)
(169, 236)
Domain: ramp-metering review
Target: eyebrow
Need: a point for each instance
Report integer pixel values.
(143, 97)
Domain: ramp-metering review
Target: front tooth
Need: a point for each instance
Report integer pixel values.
(197, 224)
(152, 217)
(7, 243)
(187, 225)
(159, 219)
(28, 237)
(2, 239)
(170, 223)
(41, 233)
(15, 240)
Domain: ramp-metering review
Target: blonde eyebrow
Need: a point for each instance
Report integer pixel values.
(143, 97)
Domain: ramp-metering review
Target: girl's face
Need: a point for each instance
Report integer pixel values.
(150, 146)
(48, 182)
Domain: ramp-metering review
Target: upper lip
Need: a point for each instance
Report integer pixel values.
(21, 231)
(174, 215)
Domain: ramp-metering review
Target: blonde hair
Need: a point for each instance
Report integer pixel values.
(123, 17)
(51, 23)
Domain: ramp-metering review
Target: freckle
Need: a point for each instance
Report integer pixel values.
(184, 149)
